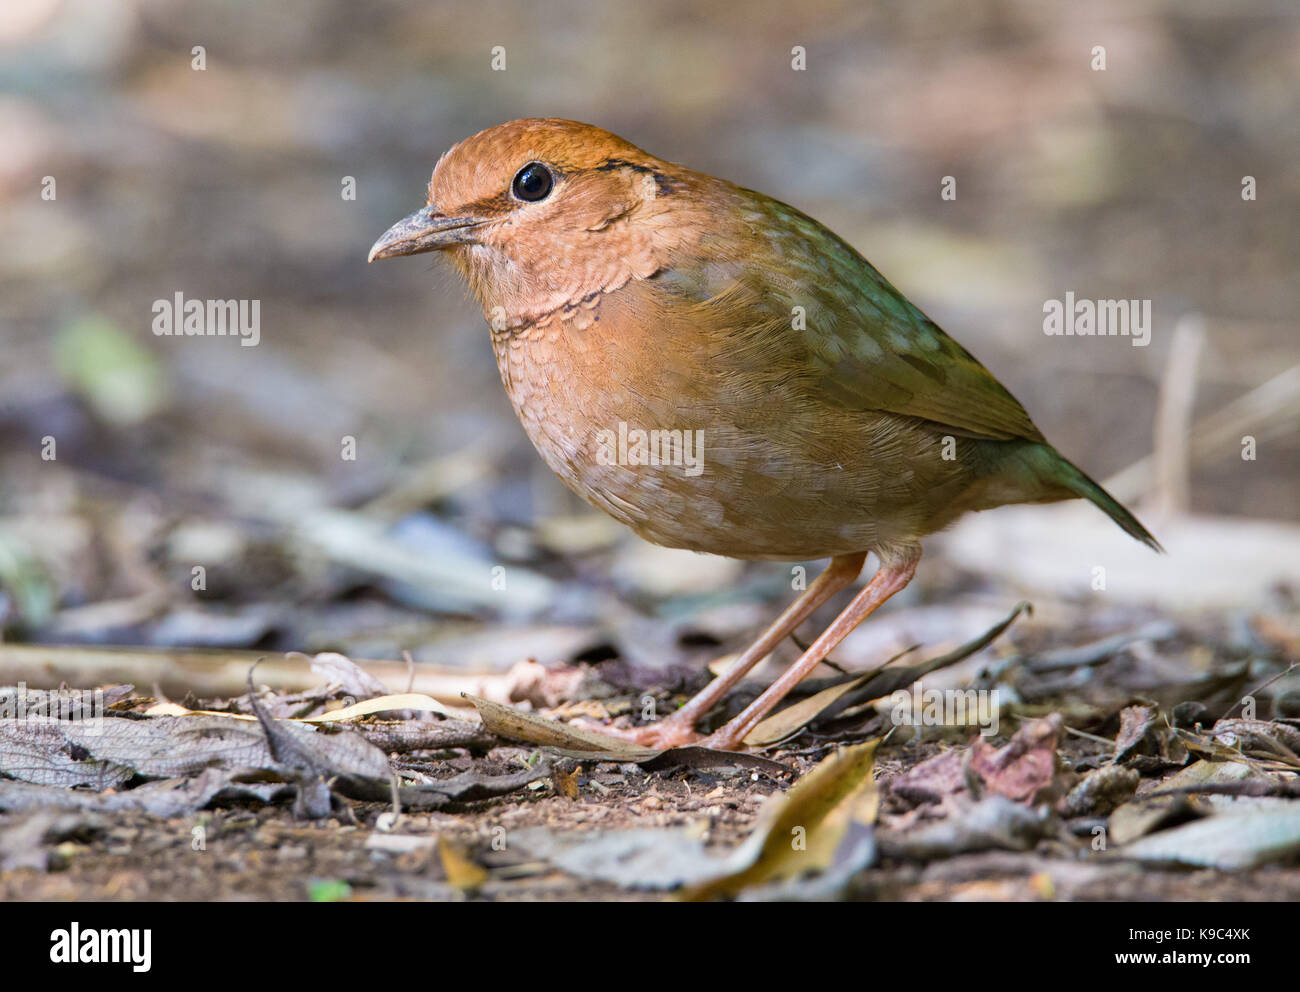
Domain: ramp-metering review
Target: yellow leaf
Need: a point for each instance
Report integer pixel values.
(397, 701)
(463, 873)
(800, 831)
(781, 725)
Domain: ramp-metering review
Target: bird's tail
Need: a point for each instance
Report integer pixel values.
(1078, 482)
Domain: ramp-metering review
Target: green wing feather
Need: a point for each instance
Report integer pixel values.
(872, 349)
(863, 346)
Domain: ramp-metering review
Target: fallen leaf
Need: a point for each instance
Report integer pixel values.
(801, 830)
(566, 783)
(1135, 724)
(781, 725)
(658, 859)
(995, 823)
(351, 678)
(1101, 791)
(463, 873)
(1026, 769)
(164, 798)
(1228, 841)
(1144, 814)
(516, 725)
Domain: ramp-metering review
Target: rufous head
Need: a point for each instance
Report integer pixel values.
(541, 213)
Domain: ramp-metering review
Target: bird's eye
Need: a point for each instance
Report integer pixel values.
(533, 182)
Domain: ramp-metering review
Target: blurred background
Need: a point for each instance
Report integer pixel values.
(191, 492)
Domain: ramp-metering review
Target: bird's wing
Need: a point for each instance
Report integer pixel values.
(880, 352)
(856, 339)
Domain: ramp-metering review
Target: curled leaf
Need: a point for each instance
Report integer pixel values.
(800, 831)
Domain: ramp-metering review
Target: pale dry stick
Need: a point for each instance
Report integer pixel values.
(1089, 737)
(1261, 687)
(410, 668)
(1174, 418)
(1269, 409)
(216, 672)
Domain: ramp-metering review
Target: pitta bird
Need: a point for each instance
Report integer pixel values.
(779, 399)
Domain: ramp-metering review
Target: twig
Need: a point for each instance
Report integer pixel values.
(1174, 416)
(1270, 407)
(1260, 688)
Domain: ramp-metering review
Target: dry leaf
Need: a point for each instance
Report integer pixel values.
(566, 783)
(462, 872)
(516, 725)
(781, 725)
(1228, 841)
(1026, 770)
(801, 830)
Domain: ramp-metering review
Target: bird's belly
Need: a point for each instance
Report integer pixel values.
(687, 464)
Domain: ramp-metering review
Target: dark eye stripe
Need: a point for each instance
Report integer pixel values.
(663, 185)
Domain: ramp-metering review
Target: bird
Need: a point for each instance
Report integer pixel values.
(722, 373)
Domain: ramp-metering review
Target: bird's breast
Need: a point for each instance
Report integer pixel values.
(593, 391)
(665, 423)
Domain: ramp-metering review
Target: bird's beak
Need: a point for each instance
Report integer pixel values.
(424, 230)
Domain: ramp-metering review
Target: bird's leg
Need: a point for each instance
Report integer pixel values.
(679, 727)
(889, 580)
